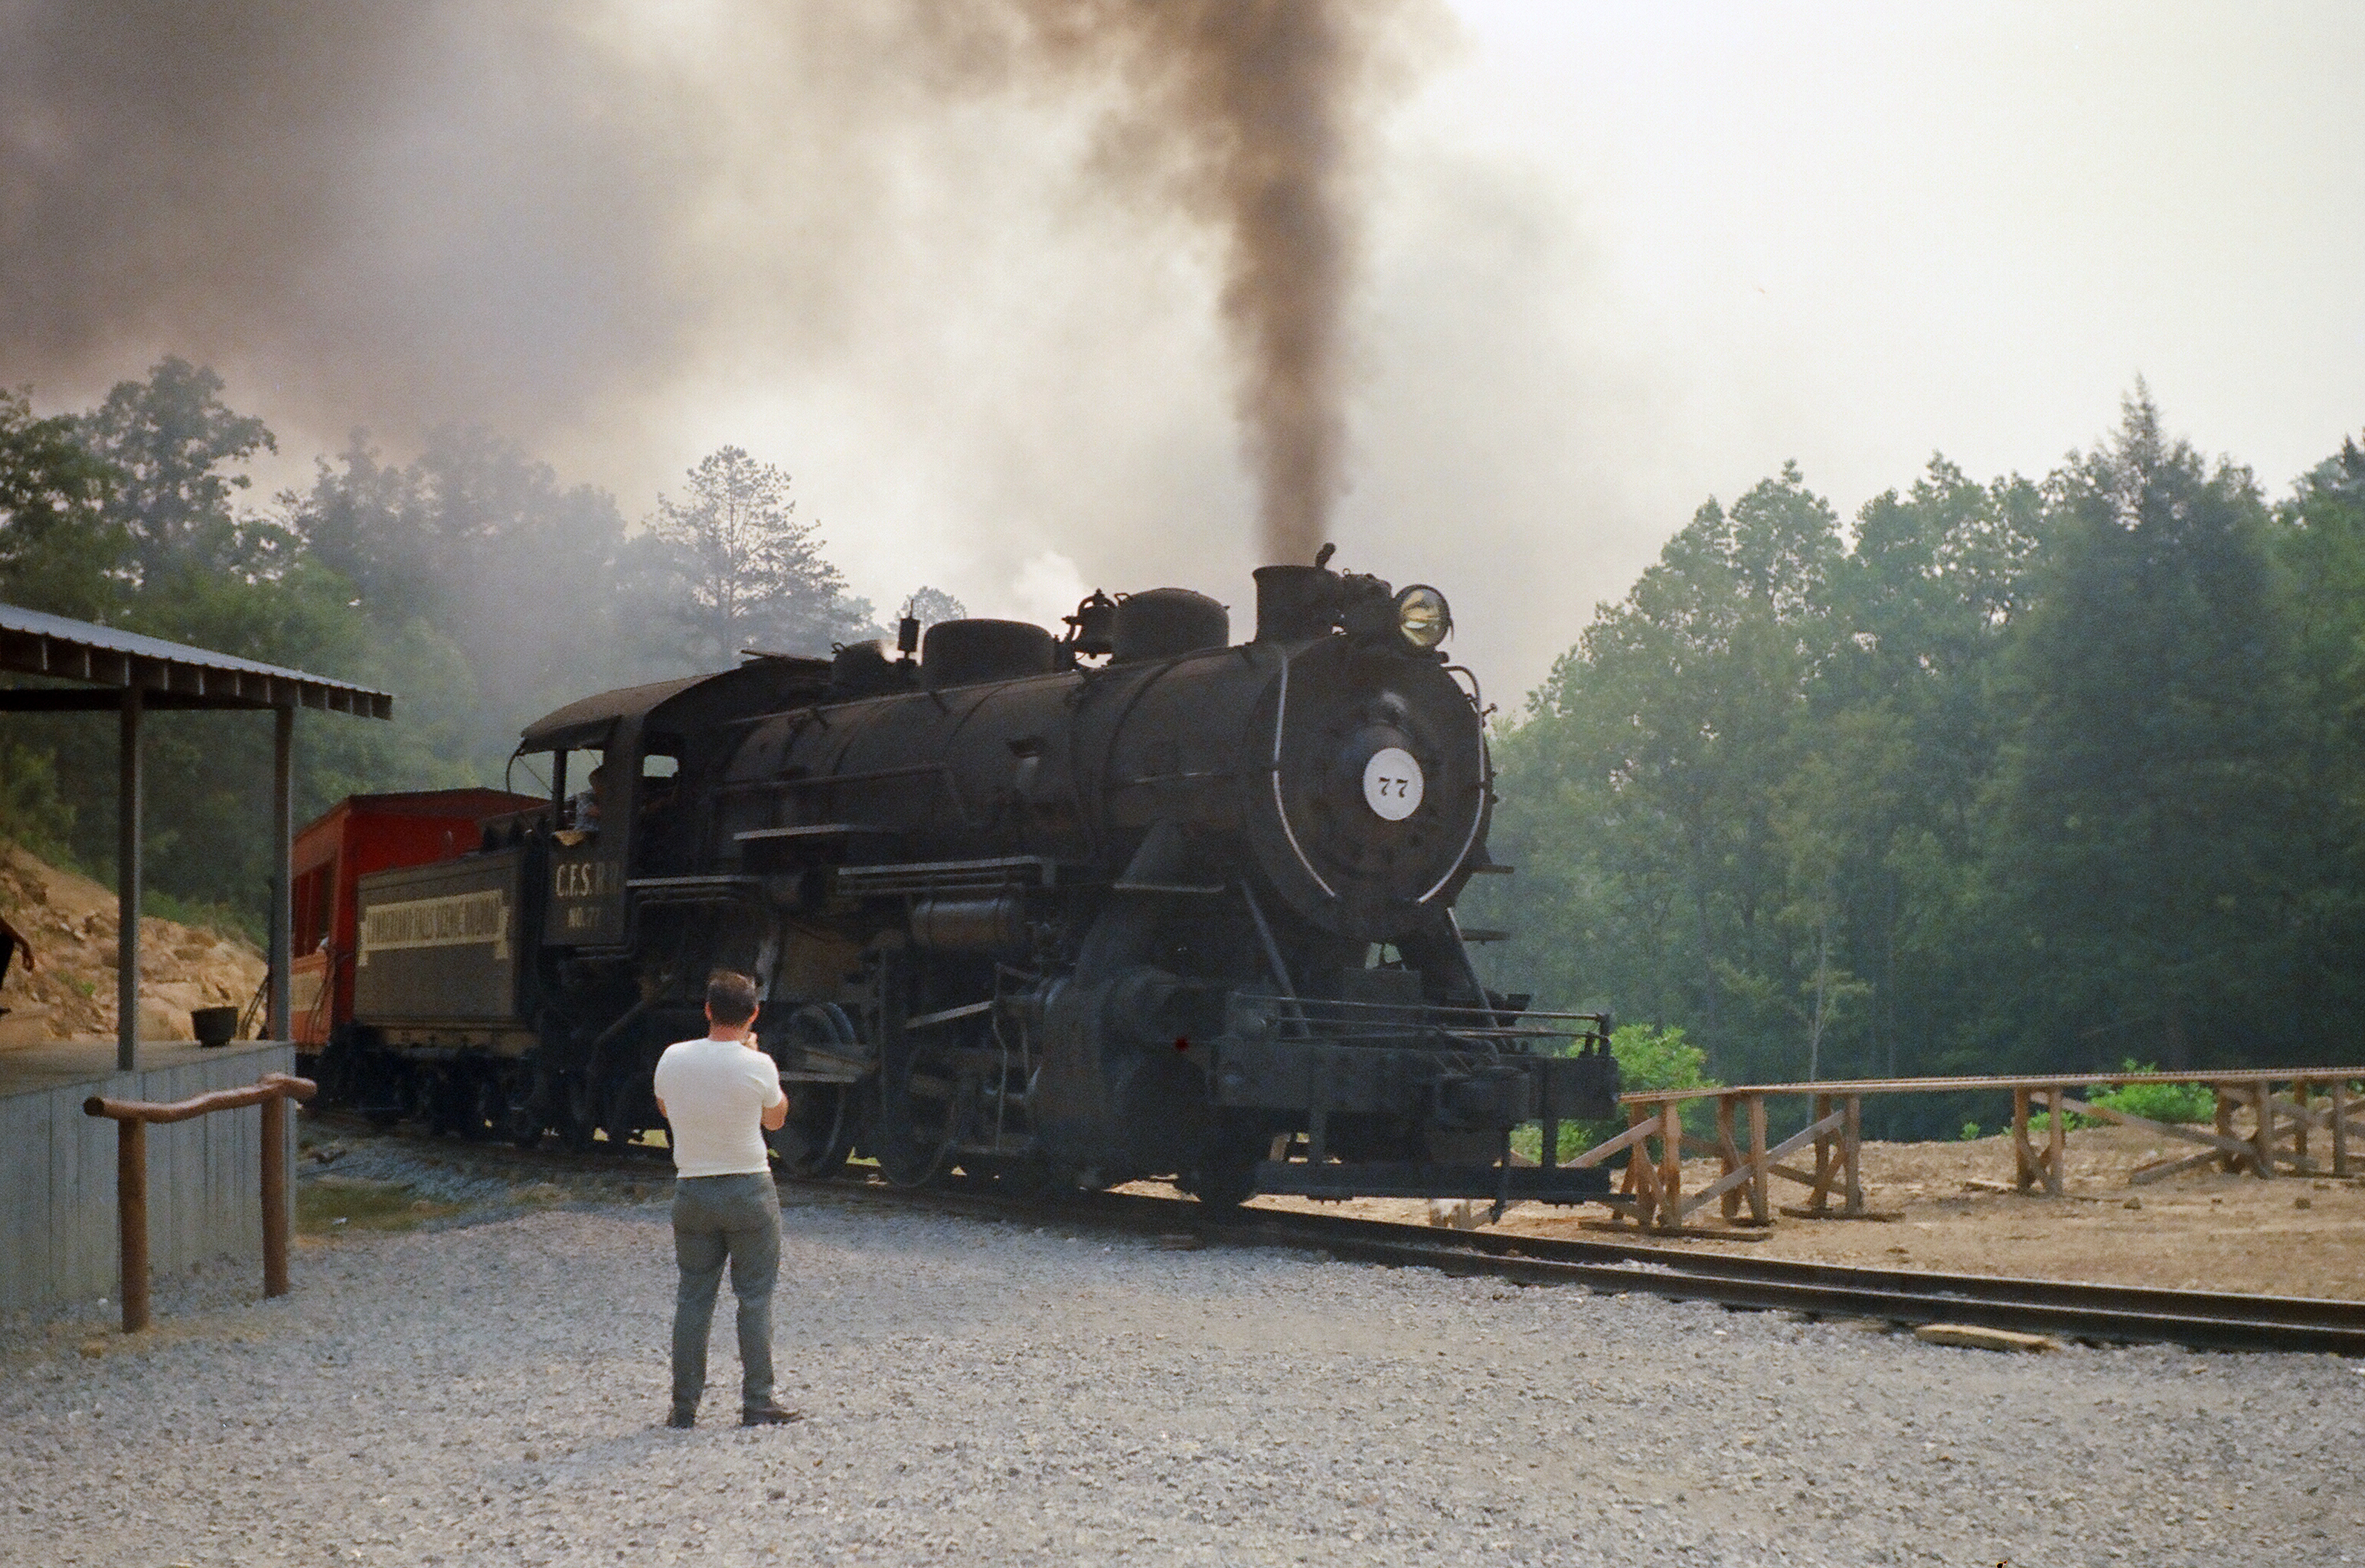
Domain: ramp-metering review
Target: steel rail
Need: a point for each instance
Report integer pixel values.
(2069, 1309)
(2209, 1320)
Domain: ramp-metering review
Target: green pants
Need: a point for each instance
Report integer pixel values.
(720, 1219)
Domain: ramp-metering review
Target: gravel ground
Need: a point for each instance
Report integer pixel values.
(491, 1390)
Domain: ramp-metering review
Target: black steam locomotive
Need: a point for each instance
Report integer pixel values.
(1138, 901)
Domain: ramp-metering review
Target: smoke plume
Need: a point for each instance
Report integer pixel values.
(1251, 109)
(528, 214)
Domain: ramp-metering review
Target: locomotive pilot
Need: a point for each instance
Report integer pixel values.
(719, 1096)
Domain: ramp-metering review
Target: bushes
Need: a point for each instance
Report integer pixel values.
(2156, 1101)
(1648, 1058)
(2171, 1103)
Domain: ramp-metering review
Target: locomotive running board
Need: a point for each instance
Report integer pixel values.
(1409, 1179)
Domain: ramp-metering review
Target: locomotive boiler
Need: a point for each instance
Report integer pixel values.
(1139, 901)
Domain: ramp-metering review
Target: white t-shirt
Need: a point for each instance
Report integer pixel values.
(715, 1094)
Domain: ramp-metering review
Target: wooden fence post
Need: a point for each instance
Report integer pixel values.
(2058, 1144)
(2262, 1131)
(274, 1196)
(1730, 1150)
(1760, 1208)
(2024, 1155)
(1821, 1198)
(1851, 1152)
(2340, 1127)
(131, 1218)
(1639, 1183)
(1671, 1164)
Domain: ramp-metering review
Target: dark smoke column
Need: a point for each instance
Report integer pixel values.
(1280, 82)
(1255, 106)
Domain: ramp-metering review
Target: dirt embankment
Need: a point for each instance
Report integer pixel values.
(69, 992)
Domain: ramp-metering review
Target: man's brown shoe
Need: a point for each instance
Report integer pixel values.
(769, 1416)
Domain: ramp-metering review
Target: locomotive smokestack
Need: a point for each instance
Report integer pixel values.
(1294, 602)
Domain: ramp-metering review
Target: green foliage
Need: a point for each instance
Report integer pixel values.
(470, 581)
(1970, 1133)
(223, 920)
(33, 812)
(2020, 772)
(1648, 1058)
(172, 442)
(2158, 1102)
(60, 549)
(750, 572)
(1652, 1058)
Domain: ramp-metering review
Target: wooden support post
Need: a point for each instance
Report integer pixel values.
(2262, 1132)
(1671, 1164)
(1548, 1133)
(127, 878)
(131, 1216)
(2023, 1156)
(278, 1025)
(274, 1196)
(2228, 1160)
(2300, 1088)
(1850, 1153)
(1760, 1209)
(1824, 1163)
(2340, 1127)
(2057, 1150)
(1730, 1151)
(1638, 1184)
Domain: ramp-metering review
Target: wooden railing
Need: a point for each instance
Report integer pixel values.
(133, 1117)
(2277, 1138)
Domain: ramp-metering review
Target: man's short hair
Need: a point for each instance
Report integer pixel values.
(730, 997)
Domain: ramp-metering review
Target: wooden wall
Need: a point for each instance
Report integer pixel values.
(57, 1180)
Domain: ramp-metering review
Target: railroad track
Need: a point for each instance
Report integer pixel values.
(2208, 1320)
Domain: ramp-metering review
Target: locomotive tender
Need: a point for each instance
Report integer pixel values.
(1139, 901)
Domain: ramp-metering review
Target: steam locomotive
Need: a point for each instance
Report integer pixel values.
(1050, 911)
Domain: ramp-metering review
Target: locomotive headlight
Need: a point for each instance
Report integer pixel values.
(1422, 616)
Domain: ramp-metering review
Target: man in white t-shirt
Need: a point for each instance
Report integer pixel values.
(719, 1096)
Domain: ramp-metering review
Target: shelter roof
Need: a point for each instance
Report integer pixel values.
(174, 675)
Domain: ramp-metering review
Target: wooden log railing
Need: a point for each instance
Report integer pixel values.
(132, 1118)
(2276, 1141)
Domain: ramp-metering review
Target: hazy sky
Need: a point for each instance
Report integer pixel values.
(1620, 257)
(1624, 258)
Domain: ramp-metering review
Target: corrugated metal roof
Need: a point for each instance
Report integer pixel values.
(32, 642)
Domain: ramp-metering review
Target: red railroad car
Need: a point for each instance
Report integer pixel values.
(359, 835)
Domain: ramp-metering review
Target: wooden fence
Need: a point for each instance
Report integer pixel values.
(133, 1117)
(2283, 1111)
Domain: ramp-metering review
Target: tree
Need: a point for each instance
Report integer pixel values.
(60, 549)
(170, 439)
(752, 575)
(475, 550)
(929, 605)
(2152, 828)
(1640, 793)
